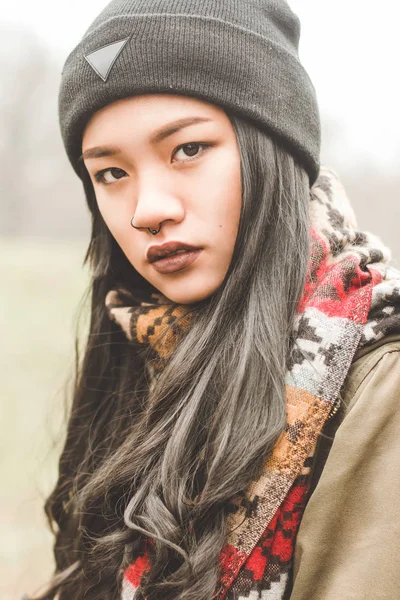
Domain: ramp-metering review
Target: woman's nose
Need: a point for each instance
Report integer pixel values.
(154, 206)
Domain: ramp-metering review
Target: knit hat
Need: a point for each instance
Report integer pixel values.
(239, 54)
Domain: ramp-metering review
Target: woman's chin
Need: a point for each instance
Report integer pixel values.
(188, 292)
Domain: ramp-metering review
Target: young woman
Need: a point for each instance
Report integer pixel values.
(234, 427)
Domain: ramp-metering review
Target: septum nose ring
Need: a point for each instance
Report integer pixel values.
(152, 231)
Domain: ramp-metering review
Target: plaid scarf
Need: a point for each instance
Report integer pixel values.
(351, 299)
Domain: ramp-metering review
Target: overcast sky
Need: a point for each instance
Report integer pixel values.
(350, 49)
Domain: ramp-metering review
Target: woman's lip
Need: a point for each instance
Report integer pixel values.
(158, 251)
(176, 262)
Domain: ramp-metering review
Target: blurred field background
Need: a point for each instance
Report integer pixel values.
(42, 285)
(44, 225)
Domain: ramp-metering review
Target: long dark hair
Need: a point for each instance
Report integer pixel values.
(133, 457)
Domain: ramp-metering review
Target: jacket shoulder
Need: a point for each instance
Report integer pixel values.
(347, 543)
(380, 361)
(374, 377)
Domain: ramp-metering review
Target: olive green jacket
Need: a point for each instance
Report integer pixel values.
(348, 543)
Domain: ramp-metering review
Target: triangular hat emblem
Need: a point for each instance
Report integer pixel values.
(102, 60)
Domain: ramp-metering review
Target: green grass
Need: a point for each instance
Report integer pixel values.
(42, 285)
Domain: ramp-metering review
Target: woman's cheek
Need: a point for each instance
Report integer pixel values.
(112, 217)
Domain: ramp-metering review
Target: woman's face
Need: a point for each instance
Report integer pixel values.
(172, 160)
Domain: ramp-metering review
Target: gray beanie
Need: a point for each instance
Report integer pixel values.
(239, 54)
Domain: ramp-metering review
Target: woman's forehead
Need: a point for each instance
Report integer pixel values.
(153, 116)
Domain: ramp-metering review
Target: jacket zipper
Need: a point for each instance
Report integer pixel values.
(335, 407)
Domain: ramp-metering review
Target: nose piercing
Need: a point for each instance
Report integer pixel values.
(152, 231)
(155, 231)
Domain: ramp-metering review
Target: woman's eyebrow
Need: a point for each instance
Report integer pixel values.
(158, 136)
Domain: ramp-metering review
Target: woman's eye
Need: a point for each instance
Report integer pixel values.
(100, 176)
(191, 150)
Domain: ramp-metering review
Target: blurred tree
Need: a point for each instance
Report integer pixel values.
(374, 191)
(39, 193)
